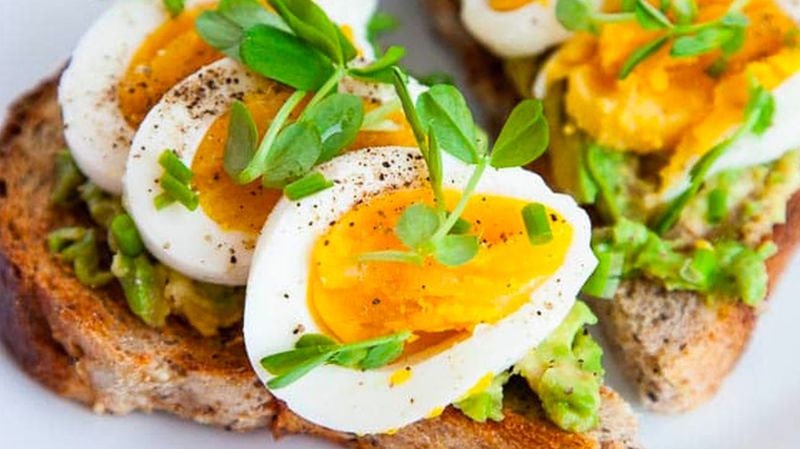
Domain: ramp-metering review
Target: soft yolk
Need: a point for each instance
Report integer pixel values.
(245, 207)
(173, 52)
(510, 5)
(354, 301)
(671, 104)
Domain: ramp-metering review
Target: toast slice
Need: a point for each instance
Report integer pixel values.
(87, 346)
(675, 347)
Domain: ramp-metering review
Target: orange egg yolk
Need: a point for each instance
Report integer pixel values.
(170, 54)
(245, 207)
(671, 104)
(510, 5)
(354, 301)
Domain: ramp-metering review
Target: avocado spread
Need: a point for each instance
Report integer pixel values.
(152, 290)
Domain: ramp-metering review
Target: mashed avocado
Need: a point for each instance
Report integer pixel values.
(720, 256)
(153, 291)
(565, 371)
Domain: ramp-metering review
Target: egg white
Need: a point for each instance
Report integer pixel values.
(276, 310)
(191, 242)
(95, 129)
(526, 31)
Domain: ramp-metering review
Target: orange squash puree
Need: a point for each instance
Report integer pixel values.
(173, 52)
(245, 208)
(354, 301)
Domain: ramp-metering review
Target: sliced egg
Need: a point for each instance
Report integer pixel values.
(129, 59)
(215, 242)
(468, 322)
(675, 106)
(514, 28)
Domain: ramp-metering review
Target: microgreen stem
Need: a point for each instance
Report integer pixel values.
(400, 336)
(255, 168)
(326, 88)
(617, 17)
(462, 203)
(391, 256)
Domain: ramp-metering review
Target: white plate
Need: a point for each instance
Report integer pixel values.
(757, 407)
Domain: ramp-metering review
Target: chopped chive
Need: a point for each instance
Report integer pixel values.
(126, 236)
(163, 200)
(175, 167)
(307, 186)
(717, 206)
(180, 192)
(537, 224)
(607, 276)
(701, 267)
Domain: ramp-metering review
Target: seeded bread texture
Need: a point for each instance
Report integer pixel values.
(85, 344)
(675, 347)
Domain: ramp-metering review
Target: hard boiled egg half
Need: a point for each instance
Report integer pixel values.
(129, 59)
(214, 243)
(468, 322)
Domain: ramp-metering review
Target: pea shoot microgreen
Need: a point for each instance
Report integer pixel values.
(314, 350)
(442, 122)
(301, 47)
(175, 7)
(675, 22)
(758, 116)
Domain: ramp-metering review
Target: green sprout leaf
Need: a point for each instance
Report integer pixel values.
(220, 33)
(242, 140)
(274, 54)
(382, 355)
(294, 153)
(456, 250)
(444, 108)
(524, 137)
(379, 24)
(337, 118)
(249, 13)
(650, 17)
(311, 24)
(381, 70)
(685, 11)
(576, 15)
(638, 56)
(307, 186)
(417, 225)
(309, 340)
(175, 7)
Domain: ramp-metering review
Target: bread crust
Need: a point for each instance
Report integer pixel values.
(85, 344)
(675, 347)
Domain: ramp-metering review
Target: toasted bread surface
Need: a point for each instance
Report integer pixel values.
(674, 346)
(86, 345)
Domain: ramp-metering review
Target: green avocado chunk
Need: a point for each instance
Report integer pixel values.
(566, 372)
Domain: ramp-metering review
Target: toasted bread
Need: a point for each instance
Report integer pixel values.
(86, 345)
(674, 346)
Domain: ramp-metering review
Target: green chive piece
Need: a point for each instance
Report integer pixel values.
(305, 187)
(607, 276)
(163, 201)
(175, 167)
(127, 236)
(537, 224)
(717, 206)
(180, 192)
(175, 7)
(701, 267)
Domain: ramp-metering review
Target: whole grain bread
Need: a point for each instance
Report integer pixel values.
(85, 344)
(675, 347)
